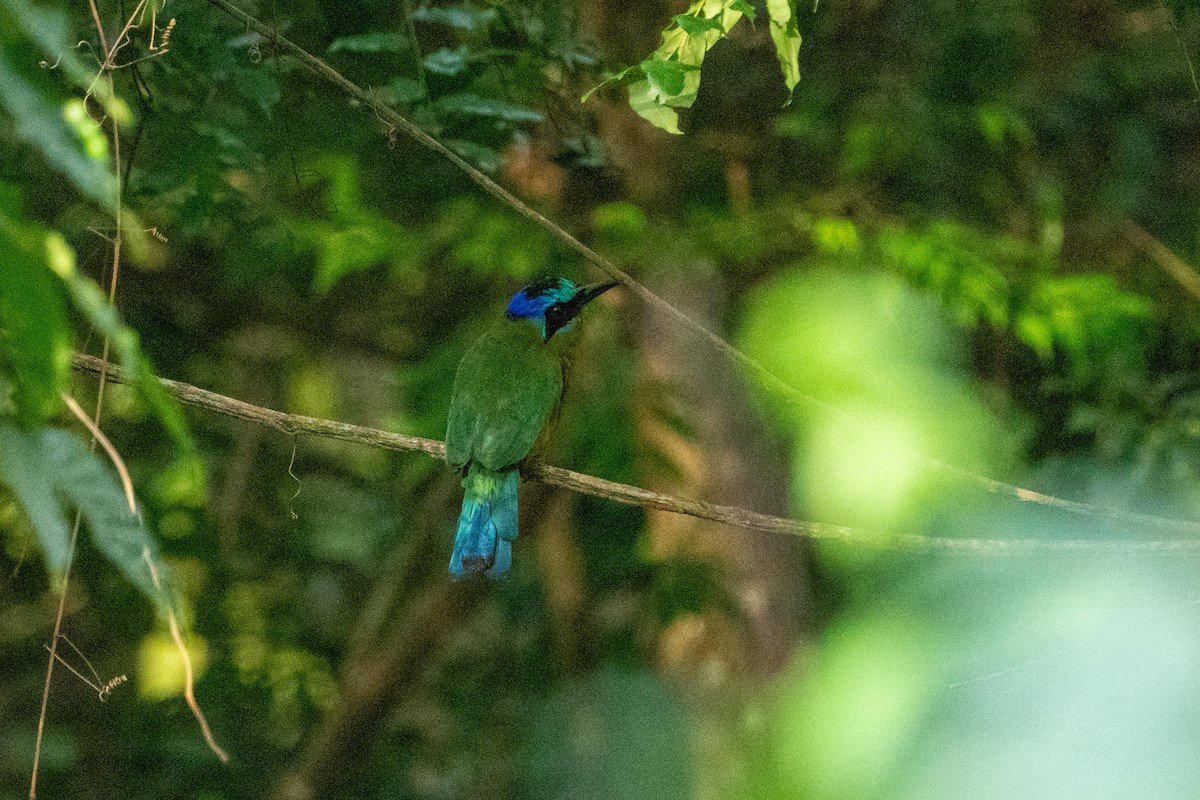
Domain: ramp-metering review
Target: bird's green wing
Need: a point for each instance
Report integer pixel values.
(506, 388)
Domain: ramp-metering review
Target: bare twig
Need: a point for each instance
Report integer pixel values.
(53, 648)
(189, 675)
(102, 688)
(293, 424)
(1183, 273)
(114, 456)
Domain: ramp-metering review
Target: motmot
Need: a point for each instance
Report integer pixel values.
(507, 388)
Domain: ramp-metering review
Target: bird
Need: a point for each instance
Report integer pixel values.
(507, 387)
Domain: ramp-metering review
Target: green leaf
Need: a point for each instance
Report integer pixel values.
(482, 156)
(39, 112)
(695, 25)
(666, 77)
(374, 42)
(35, 336)
(644, 101)
(473, 105)
(49, 470)
(447, 62)
(1035, 331)
(401, 91)
(786, 35)
(350, 249)
(672, 72)
(91, 302)
(627, 74)
(743, 7)
(464, 17)
(24, 468)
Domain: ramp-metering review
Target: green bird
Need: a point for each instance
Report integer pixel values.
(506, 389)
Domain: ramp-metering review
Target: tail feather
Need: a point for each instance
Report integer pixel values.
(487, 525)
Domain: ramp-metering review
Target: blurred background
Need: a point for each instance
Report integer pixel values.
(967, 241)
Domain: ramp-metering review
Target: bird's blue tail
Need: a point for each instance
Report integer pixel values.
(487, 525)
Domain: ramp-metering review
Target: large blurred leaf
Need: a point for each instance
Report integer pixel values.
(878, 364)
(49, 471)
(35, 337)
(44, 115)
(90, 301)
(1038, 678)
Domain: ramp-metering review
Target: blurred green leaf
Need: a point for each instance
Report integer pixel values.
(840, 728)
(49, 470)
(92, 304)
(620, 219)
(484, 157)
(447, 62)
(25, 468)
(473, 105)
(35, 337)
(353, 236)
(374, 42)
(51, 123)
(401, 91)
(463, 16)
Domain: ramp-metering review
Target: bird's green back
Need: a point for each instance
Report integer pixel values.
(506, 388)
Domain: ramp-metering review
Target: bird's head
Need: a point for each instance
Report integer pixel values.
(553, 303)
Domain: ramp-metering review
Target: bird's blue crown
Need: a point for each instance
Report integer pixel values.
(532, 301)
(552, 304)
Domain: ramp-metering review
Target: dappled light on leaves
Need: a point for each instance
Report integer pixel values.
(998, 678)
(861, 471)
(161, 672)
(888, 395)
(839, 722)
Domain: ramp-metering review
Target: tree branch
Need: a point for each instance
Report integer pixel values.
(767, 378)
(1183, 273)
(296, 424)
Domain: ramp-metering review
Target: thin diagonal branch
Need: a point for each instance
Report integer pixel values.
(768, 379)
(411, 129)
(296, 424)
(1183, 273)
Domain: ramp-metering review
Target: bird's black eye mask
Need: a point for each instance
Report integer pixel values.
(559, 315)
